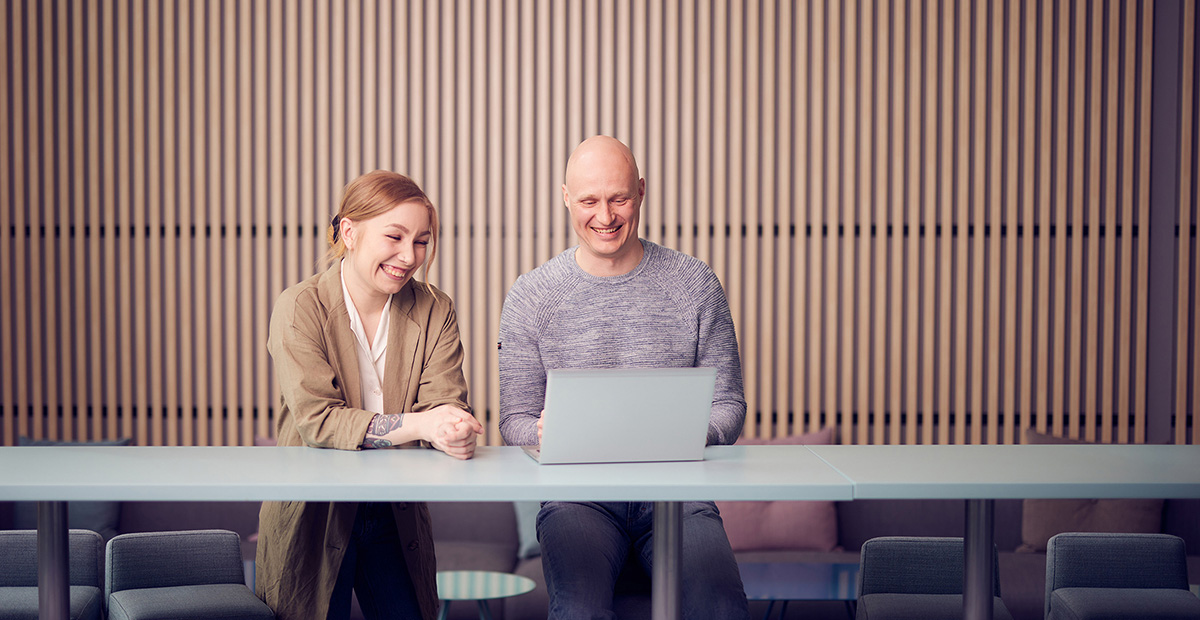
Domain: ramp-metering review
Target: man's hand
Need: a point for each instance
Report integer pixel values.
(450, 430)
(541, 416)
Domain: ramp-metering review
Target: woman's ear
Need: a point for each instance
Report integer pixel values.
(347, 233)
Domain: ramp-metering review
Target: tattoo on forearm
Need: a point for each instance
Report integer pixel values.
(381, 425)
(385, 423)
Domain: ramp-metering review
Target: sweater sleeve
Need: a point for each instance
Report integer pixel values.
(522, 374)
(717, 347)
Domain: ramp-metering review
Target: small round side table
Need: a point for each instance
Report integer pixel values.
(480, 586)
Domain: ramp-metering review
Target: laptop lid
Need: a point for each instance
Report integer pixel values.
(626, 415)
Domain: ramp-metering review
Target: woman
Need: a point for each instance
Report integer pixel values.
(367, 357)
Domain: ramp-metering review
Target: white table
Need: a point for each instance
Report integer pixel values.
(52, 476)
(982, 474)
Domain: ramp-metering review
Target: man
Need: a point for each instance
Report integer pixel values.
(617, 301)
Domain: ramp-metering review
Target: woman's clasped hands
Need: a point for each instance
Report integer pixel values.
(449, 429)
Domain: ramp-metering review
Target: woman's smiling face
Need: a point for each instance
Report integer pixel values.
(385, 251)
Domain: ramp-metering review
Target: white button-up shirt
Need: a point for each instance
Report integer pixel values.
(371, 354)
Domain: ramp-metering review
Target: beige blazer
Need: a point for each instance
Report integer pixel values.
(301, 544)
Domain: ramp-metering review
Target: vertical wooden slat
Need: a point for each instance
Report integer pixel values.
(173, 246)
(898, 198)
(1076, 273)
(316, 203)
(817, 201)
(123, 225)
(928, 229)
(8, 153)
(1091, 225)
(720, 144)
(880, 305)
(785, 423)
(800, 171)
(829, 211)
(525, 176)
(1013, 235)
(1130, 309)
(1059, 379)
(667, 152)
(768, 330)
(1183, 314)
(64, 398)
(975, 226)
(987, 226)
(961, 216)
(84, 398)
(1143, 251)
(1042, 403)
(760, 217)
(1109, 302)
(20, 107)
(233, 105)
(151, 424)
(190, 64)
(840, 334)
(276, 193)
(867, 132)
(207, 341)
(494, 168)
(946, 237)
(1029, 70)
(908, 226)
(60, 396)
(136, 393)
(255, 294)
(854, 246)
(33, 203)
(451, 207)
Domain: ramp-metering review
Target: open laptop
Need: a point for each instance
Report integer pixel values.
(625, 415)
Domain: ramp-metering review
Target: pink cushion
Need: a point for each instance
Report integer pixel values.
(782, 525)
(1043, 518)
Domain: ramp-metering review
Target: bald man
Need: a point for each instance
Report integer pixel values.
(619, 301)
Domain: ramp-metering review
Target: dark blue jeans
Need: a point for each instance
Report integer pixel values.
(586, 545)
(374, 568)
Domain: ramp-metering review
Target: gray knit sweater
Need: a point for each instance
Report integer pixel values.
(670, 311)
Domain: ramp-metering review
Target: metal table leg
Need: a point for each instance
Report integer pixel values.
(666, 583)
(54, 594)
(977, 560)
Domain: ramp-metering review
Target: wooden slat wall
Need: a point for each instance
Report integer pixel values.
(931, 216)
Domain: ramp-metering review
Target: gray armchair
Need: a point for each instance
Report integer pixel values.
(1093, 575)
(901, 577)
(189, 574)
(19, 575)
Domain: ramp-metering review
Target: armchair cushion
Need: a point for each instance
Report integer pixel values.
(1095, 603)
(888, 606)
(222, 600)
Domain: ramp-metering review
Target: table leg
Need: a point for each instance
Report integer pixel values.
(485, 613)
(444, 612)
(666, 584)
(54, 593)
(977, 560)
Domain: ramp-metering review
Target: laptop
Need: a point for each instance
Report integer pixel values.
(625, 415)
